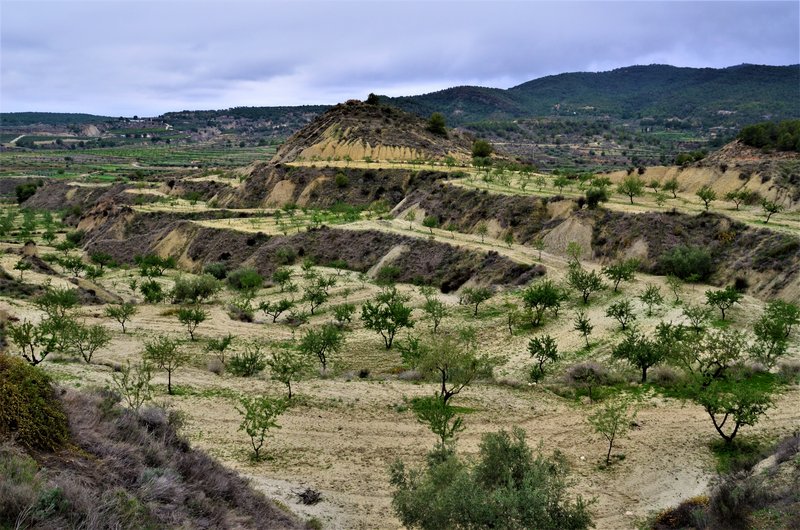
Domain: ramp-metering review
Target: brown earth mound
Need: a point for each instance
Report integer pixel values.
(525, 217)
(359, 131)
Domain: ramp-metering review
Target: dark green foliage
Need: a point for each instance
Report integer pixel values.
(102, 259)
(621, 271)
(436, 124)
(322, 342)
(733, 402)
(622, 311)
(441, 419)
(26, 191)
(724, 299)
(783, 136)
(543, 350)
(539, 297)
(387, 314)
(245, 279)
(583, 281)
(343, 313)
(387, 275)
(152, 291)
(29, 409)
(687, 263)
(596, 195)
(707, 195)
(152, 265)
(640, 352)
(191, 317)
(683, 159)
(195, 290)
(248, 362)
(218, 270)
(276, 308)
(481, 149)
(507, 488)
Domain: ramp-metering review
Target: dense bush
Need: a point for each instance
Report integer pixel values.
(194, 290)
(29, 410)
(687, 263)
(245, 279)
(508, 487)
(218, 270)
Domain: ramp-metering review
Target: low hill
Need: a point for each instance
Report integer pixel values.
(359, 131)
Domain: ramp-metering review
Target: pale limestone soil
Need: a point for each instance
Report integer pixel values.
(344, 432)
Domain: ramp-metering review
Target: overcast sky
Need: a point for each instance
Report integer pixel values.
(147, 57)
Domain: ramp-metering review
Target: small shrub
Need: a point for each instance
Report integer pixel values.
(249, 362)
(286, 255)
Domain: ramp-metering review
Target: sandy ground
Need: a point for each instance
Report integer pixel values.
(344, 432)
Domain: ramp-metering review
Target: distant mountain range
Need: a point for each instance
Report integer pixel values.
(742, 93)
(728, 96)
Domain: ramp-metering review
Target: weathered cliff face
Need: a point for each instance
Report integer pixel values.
(269, 185)
(125, 234)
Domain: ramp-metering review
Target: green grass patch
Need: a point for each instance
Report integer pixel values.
(743, 453)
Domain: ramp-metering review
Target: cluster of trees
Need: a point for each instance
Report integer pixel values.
(783, 136)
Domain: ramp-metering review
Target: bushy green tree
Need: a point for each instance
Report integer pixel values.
(707, 195)
(191, 317)
(539, 297)
(723, 299)
(583, 281)
(122, 313)
(632, 186)
(387, 314)
(437, 125)
(622, 312)
(322, 342)
(640, 352)
(621, 271)
(481, 149)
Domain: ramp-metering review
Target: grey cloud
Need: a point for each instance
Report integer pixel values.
(144, 57)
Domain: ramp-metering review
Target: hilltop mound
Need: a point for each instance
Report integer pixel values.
(358, 131)
(774, 175)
